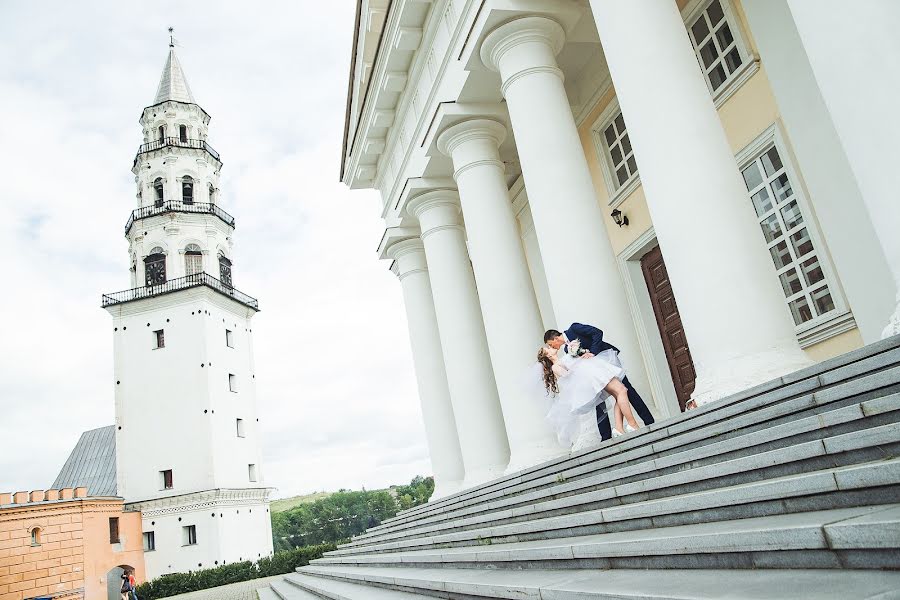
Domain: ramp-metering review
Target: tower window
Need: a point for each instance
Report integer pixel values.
(36, 536)
(158, 189)
(149, 541)
(212, 194)
(114, 530)
(188, 535)
(240, 427)
(165, 480)
(193, 259)
(252, 472)
(232, 382)
(182, 133)
(162, 132)
(229, 338)
(160, 338)
(155, 267)
(187, 189)
(224, 269)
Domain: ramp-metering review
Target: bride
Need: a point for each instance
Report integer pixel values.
(577, 386)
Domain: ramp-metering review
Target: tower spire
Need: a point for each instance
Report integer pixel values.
(173, 85)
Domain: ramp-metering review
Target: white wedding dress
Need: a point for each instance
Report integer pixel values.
(582, 383)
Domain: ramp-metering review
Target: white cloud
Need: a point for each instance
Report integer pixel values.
(73, 80)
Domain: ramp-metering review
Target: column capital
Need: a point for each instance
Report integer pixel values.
(436, 210)
(473, 129)
(536, 42)
(408, 256)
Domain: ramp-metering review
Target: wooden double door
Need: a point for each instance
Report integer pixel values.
(678, 355)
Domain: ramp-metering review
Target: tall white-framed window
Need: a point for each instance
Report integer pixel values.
(723, 54)
(617, 160)
(791, 234)
(193, 259)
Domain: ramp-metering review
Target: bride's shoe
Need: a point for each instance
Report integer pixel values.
(616, 433)
(629, 428)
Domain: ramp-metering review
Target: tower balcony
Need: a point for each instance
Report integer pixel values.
(176, 142)
(181, 283)
(160, 208)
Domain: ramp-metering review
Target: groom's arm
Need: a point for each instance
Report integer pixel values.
(581, 330)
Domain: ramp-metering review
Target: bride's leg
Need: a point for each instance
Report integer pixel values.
(618, 391)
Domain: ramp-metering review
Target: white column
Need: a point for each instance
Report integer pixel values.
(437, 411)
(733, 309)
(473, 391)
(511, 317)
(581, 271)
(853, 52)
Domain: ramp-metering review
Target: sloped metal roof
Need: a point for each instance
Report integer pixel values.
(173, 85)
(92, 463)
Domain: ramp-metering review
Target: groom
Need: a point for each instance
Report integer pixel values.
(591, 339)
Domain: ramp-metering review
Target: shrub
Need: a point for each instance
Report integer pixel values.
(192, 581)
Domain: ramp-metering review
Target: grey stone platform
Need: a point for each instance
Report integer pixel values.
(787, 490)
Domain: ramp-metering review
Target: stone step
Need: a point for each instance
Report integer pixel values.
(871, 358)
(683, 471)
(267, 593)
(808, 491)
(540, 584)
(861, 537)
(282, 590)
(755, 414)
(334, 589)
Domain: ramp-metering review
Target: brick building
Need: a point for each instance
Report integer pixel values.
(62, 543)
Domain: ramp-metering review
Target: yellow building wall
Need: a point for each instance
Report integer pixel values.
(745, 115)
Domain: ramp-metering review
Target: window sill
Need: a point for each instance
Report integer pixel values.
(626, 190)
(738, 79)
(834, 326)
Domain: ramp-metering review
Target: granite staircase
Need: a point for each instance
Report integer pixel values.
(787, 490)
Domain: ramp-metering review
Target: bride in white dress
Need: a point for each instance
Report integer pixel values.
(577, 386)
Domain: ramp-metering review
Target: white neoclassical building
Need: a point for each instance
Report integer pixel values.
(711, 182)
(187, 442)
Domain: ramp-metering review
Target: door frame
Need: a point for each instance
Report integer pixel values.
(645, 325)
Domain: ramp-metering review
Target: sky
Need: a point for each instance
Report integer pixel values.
(74, 77)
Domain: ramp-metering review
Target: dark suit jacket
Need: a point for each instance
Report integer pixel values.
(591, 338)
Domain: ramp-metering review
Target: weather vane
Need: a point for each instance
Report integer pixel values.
(171, 37)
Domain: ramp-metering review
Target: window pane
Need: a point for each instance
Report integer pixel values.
(622, 175)
(822, 300)
(620, 124)
(717, 77)
(791, 215)
(632, 165)
(780, 254)
(771, 228)
(724, 36)
(610, 136)
(626, 145)
(761, 202)
(812, 271)
(782, 188)
(801, 242)
(752, 176)
(800, 310)
(699, 29)
(733, 60)
(771, 162)
(715, 12)
(790, 282)
(615, 154)
(709, 53)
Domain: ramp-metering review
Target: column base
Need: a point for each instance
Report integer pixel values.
(893, 326)
(534, 456)
(442, 489)
(745, 371)
(482, 475)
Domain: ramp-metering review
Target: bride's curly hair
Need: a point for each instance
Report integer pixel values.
(550, 381)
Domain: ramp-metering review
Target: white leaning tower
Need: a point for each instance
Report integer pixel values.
(187, 433)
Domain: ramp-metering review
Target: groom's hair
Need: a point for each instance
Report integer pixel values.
(551, 334)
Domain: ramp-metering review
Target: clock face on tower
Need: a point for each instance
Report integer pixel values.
(155, 269)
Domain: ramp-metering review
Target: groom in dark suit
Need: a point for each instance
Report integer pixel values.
(591, 339)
